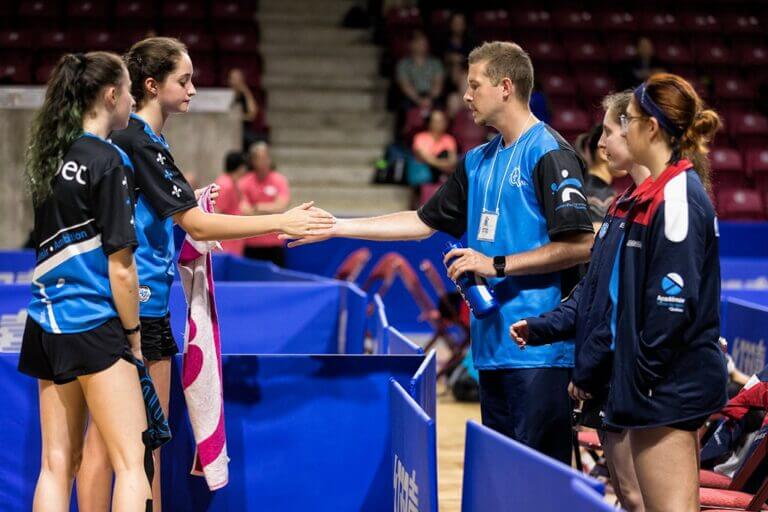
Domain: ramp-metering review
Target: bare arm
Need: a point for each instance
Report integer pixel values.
(124, 282)
(277, 206)
(557, 255)
(251, 107)
(300, 221)
(395, 226)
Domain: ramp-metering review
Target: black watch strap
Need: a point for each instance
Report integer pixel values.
(136, 329)
(500, 263)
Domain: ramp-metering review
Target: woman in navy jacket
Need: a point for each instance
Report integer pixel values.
(585, 315)
(669, 373)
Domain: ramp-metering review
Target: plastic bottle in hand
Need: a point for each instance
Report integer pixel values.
(475, 290)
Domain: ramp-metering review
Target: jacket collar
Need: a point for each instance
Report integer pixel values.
(647, 193)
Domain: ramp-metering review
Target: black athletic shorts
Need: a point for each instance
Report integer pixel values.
(157, 338)
(690, 425)
(64, 357)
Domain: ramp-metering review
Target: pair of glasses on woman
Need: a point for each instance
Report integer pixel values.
(625, 120)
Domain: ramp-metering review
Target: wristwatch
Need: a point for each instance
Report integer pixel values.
(136, 329)
(500, 263)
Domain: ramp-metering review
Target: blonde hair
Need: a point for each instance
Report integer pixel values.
(506, 60)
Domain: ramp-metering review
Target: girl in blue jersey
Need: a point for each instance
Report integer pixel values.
(84, 313)
(669, 373)
(161, 72)
(585, 316)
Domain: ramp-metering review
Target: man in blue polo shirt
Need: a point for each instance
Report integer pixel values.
(520, 200)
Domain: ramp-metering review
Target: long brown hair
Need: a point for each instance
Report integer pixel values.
(680, 102)
(73, 88)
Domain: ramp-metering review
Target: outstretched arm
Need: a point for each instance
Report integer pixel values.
(395, 226)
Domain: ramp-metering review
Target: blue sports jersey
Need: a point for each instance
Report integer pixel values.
(536, 186)
(161, 191)
(87, 217)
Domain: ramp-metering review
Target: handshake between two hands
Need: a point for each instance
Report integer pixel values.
(303, 224)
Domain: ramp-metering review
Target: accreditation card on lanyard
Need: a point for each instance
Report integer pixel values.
(489, 219)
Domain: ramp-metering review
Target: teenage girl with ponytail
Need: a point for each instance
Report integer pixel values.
(669, 372)
(84, 313)
(161, 73)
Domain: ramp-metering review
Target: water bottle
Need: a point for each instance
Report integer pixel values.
(475, 290)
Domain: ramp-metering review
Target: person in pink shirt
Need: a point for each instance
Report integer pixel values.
(435, 147)
(230, 198)
(264, 191)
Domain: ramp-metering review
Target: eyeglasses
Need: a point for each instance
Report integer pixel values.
(625, 119)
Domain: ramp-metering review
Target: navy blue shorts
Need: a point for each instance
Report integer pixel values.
(530, 405)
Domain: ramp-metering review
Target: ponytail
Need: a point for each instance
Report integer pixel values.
(72, 90)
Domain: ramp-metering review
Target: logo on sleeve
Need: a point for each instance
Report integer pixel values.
(167, 174)
(568, 188)
(145, 292)
(160, 159)
(176, 191)
(672, 285)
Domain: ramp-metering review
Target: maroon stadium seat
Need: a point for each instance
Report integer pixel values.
(107, 40)
(238, 42)
(40, 9)
(206, 72)
(595, 85)
(544, 50)
(732, 91)
(87, 10)
(697, 22)
(59, 40)
(622, 22)
(574, 20)
(749, 130)
(533, 20)
(585, 52)
(713, 54)
(570, 122)
(739, 204)
(44, 67)
(182, 10)
(196, 40)
(674, 53)
(556, 84)
(14, 71)
(622, 49)
(493, 25)
(17, 40)
(652, 22)
(135, 10)
(414, 122)
(757, 165)
(467, 133)
(728, 168)
(232, 11)
(402, 18)
(753, 54)
(741, 24)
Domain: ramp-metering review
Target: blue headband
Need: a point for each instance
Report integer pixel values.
(653, 109)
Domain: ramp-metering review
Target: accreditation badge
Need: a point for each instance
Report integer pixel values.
(487, 230)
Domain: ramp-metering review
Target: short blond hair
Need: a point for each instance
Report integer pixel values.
(617, 104)
(506, 60)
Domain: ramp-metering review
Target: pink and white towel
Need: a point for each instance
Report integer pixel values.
(201, 373)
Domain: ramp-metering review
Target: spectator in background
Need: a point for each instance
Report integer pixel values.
(245, 102)
(264, 191)
(435, 147)
(420, 77)
(457, 44)
(644, 64)
(597, 184)
(230, 197)
(457, 83)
